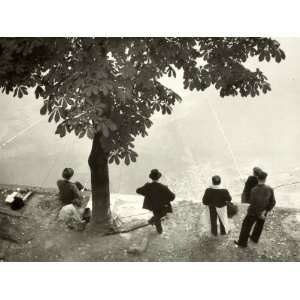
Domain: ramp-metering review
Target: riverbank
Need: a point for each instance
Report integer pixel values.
(39, 237)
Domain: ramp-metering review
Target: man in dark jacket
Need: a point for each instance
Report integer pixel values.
(250, 184)
(262, 201)
(157, 199)
(215, 196)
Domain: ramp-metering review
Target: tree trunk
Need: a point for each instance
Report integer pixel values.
(101, 213)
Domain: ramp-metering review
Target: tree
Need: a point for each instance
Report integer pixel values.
(108, 88)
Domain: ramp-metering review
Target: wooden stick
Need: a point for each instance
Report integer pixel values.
(128, 230)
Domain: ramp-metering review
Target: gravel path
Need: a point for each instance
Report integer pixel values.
(41, 238)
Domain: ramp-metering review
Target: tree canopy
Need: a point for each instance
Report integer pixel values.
(111, 86)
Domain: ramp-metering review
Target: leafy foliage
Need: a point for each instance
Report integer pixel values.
(111, 85)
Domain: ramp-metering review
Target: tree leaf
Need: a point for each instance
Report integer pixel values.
(278, 57)
(69, 101)
(77, 129)
(282, 53)
(169, 110)
(51, 117)
(111, 159)
(90, 132)
(20, 94)
(111, 125)
(261, 56)
(56, 116)
(63, 131)
(38, 91)
(24, 90)
(82, 133)
(127, 160)
(105, 130)
(133, 156)
(43, 110)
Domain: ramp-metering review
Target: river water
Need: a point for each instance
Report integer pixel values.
(205, 135)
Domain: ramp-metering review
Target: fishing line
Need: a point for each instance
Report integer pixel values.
(20, 133)
(221, 129)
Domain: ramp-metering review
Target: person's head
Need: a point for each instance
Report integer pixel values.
(154, 175)
(67, 173)
(262, 176)
(216, 180)
(256, 171)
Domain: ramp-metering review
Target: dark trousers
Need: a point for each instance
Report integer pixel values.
(156, 220)
(213, 221)
(247, 225)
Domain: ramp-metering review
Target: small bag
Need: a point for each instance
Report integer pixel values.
(232, 209)
(18, 203)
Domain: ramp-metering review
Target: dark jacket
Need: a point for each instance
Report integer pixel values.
(249, 185)
(216, 197)
(68, 191)
(157, 197)
(261, 199)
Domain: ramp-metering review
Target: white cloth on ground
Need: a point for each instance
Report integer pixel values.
(10, 198)
(69, 214)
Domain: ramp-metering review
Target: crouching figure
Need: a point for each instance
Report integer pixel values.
(73, 213)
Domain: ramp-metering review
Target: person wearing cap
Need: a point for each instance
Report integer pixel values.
(157, 199)
(262, 200)
(250, 184)
(216, 198)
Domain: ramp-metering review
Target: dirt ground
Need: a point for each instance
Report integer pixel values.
(38, 236)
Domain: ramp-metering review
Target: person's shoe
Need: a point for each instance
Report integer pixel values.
(86, 216)
(159, 230)
(151, 221)
(253, 241)
(239, 245)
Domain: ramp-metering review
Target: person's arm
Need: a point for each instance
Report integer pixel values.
(252, 198)
(247, 182)
(58, 183)
(272, 202)
(76, 192)
(142, 190)
(228, 197)
(171, 195)
(205, 199)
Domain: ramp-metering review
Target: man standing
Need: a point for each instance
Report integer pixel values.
(262, 201)
(250, 184)
(157, 199)
(216, 199)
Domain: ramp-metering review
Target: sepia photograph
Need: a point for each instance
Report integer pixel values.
(149, 149)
